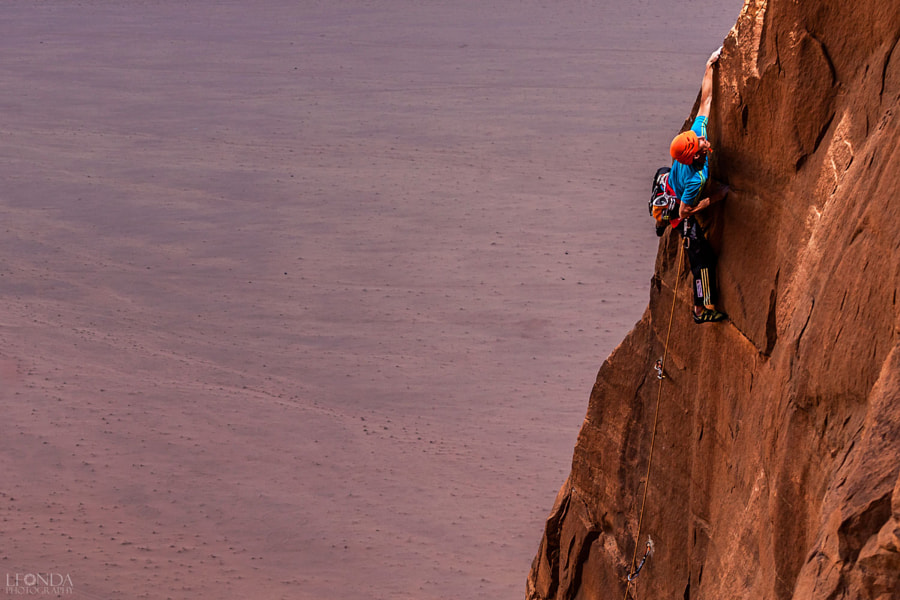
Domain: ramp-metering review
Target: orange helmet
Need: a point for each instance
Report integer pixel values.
(684, 147)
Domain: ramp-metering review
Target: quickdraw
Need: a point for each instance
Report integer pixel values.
(647, 554)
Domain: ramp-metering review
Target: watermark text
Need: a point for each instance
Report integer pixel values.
(39, 584)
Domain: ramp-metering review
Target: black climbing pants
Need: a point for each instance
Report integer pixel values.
(703, 261)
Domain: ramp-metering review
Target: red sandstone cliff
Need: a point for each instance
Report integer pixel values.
(776, 471)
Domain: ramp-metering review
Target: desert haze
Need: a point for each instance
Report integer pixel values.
(306, 299)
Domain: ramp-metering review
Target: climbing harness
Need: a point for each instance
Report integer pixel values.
(660, 366)
(647, 553)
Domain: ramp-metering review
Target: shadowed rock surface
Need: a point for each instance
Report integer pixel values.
(775, 469)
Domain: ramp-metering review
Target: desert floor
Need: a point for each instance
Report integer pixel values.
(306, 299)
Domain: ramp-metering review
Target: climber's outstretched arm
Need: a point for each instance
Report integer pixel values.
(707, 86)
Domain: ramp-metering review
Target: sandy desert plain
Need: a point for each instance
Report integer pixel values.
(306, 299)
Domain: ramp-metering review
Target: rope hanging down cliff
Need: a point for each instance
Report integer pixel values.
(660, 369)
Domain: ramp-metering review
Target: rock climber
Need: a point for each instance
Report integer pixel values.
(689, 179)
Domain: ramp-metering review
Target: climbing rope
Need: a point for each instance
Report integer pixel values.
(660, 366)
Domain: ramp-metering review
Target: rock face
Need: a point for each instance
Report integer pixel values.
(776, 464)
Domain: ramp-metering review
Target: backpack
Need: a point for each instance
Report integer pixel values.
(663, 203)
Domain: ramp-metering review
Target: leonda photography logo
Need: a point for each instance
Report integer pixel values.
(39, 584)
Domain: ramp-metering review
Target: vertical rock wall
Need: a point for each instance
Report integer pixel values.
(776, 466)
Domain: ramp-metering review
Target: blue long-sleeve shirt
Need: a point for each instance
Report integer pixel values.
(688, 180)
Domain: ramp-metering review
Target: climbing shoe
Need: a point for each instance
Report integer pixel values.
(709, 316)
